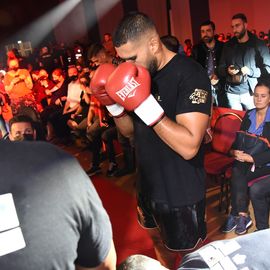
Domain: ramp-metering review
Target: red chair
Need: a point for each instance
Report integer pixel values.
(217, 161)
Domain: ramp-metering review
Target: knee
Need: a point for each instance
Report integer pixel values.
(255, 192)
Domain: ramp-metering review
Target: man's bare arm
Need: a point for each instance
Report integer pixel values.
(125, 125)
(185, 135)
(108, 264)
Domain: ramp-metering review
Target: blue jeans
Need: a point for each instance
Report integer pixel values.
(240, 101)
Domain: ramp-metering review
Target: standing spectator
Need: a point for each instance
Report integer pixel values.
(208, 53)
(244, 59)
(172, 44)
(3, 105)
(108, 44)
(18, 86)
(46, 59)
(188, 47)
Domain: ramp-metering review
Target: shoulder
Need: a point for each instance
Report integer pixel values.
(219, 44)
(31, 151)
(230, 43)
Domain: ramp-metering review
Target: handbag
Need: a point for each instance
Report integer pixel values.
(250, 143)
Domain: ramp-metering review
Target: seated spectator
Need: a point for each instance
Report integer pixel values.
(59, 118)
(40, 87)
(56, 98)
(74, 91)
(96, 124)
(78, 120)
(55, 219)
(21, 129)
(248, 167)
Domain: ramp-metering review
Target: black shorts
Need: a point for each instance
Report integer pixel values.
(181, 228)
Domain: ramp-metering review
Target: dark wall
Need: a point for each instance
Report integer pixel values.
(129, 5)
(16, 14)
(199, 12)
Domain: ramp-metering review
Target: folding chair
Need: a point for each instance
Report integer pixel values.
(217, 161)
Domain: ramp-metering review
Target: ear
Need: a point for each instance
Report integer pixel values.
(10, 137)
(154, 44)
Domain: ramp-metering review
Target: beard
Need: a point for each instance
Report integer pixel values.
(207, 39)
(152, 66)
(240, 35)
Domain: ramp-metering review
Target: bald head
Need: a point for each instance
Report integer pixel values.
(133, 27)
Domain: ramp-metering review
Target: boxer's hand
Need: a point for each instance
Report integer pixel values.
(97, 86)
(129, 85)
(232, 70)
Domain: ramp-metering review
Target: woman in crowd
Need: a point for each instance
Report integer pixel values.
(249, 167)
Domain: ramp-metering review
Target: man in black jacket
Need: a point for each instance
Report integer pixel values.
(208, 53)
(244, 59)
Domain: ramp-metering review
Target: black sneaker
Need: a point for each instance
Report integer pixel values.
(112, 169)
(243, 223)
(93, 170)
(230, 224)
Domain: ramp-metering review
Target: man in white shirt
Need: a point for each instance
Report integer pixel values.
(74, 91)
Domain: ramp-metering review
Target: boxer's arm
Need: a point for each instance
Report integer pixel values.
(185, 135)
(125, 125)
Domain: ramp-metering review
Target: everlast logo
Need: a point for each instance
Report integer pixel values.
(128, 90)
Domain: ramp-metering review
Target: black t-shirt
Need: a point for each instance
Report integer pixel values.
(182, 86)
(59, 212)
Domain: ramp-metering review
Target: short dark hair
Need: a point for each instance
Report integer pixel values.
(84, 79)
(208, 22)
(241, 16)
(132, 27)
(171, 43)
(94, 50)
(20, 119)
(264, 81)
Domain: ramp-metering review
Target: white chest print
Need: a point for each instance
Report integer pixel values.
(11, 237)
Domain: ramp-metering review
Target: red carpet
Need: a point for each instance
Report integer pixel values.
(129, 237)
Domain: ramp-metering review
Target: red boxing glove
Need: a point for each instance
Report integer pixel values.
(130, 85)
(97, 86)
